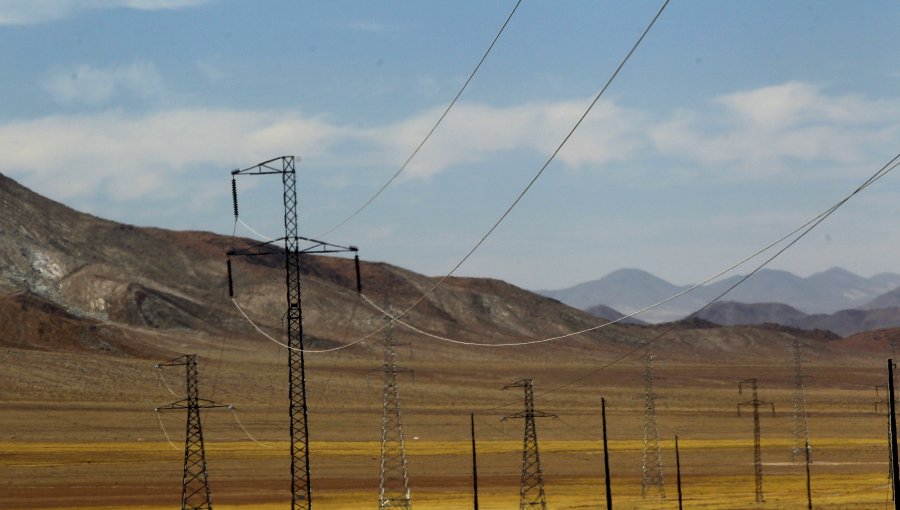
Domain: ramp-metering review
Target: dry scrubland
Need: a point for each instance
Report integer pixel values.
(79, 431)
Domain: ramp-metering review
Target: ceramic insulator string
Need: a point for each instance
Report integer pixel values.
(234, 196)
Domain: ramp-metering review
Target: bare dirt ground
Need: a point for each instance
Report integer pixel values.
(80, 431)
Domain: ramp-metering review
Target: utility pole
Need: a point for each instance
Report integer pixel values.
(474, 463)
(678, 471)
(800, 426)
(531, 488)
(394, 486)
(195, 494)
(895, 480)
(757, 450)
(808, 481)
(301, 495)
(606, 456)
(651, 466)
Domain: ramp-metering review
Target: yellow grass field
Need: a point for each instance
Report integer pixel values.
(94, 442)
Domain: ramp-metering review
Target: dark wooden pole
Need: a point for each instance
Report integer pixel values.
(606, 456)
(894, 471)
(808, 481)
(678, 471)
(474, 462)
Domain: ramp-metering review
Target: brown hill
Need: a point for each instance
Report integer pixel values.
(134, 281)
(97, 271)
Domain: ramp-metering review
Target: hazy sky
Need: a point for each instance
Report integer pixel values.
(732, 124)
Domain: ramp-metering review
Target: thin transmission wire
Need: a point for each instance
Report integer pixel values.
(430, 132)
(534, 179)
(163, 429)
(286, 346)
(884, 170)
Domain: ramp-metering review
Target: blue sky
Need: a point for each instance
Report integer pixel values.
(732, 124)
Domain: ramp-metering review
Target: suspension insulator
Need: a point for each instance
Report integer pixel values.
(358, 277)
(230, 284)
(234, 196)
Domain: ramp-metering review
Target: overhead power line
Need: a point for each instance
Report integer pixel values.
(802, 230)
(430, 131)
(534, 179)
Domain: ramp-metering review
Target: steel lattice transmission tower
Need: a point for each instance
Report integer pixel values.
(531, 489)
(394, 485)
(757, 450)
(195, 494)
(651, 466)
(800, 426)
(301, 497)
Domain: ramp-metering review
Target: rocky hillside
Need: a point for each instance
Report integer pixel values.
(81, 273)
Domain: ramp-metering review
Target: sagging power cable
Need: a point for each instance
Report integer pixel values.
(531, 183)
(430, 132)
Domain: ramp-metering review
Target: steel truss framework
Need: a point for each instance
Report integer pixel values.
(301, 495)
(394, 481)
(757, 450)
(531, 488)
(195, 493)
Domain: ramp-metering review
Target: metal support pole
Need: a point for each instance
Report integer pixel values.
(808, 480)
(895, 483)
(474, 463)
(678, 471)
(606, 456)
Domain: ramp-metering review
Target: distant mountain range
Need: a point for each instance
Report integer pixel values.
(825, 293)
(843, 322)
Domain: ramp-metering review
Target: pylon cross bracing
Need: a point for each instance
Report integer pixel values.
(531, 487)
(394, 484)
(757, 449)
(800, 425)
(195, 493)
(651, 465)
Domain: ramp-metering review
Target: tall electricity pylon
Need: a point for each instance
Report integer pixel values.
(531, 488)
(195, 494)
(800, 427)
(301, 496)
(757, 450)
(651, 466)
(394, 486)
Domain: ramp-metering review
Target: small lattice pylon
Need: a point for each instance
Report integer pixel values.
(195, 493)
(531, 488)
(651, 465)
(394, 484)
(757, 450)
(800, 426)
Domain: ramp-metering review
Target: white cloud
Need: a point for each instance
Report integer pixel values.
(473, 133)
(27, 12)
(91, 85)
(126, 157)
(767, 131)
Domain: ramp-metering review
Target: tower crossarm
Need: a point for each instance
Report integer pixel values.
(532, 414)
